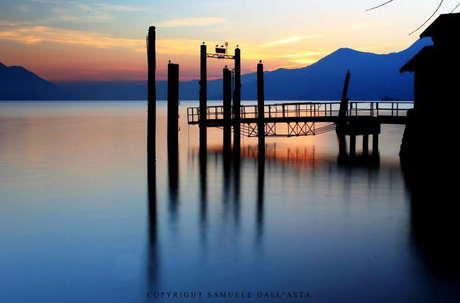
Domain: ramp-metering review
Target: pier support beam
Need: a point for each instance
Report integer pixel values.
(375, 144)
(365, 144)
(237, 103)
(352, 145)
(203, 99)
(342, 145)
(260, 108)
(227, 92)
(173, 109)
(152, 99)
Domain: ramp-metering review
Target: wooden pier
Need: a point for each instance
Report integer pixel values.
(261, 120)
(304, 112)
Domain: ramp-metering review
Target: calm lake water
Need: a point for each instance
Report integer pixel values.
(77, 224)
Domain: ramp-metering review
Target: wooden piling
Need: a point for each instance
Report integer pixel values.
(173, 108)
(237, 103)
(151, 105)
(260, 107)
(203, 98)
(227, 93)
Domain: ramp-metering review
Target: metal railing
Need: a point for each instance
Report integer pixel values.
(307, 109)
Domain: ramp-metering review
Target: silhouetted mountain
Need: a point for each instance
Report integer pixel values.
(17, 83)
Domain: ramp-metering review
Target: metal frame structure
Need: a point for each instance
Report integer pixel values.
(220, 56)
(203, 119)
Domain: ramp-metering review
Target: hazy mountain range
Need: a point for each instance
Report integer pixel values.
(373, 76)
(17, 83)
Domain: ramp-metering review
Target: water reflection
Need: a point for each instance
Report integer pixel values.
(75, 215)
(283, 165)
(305, 164)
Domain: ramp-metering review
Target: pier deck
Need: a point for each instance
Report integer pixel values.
(301, 116)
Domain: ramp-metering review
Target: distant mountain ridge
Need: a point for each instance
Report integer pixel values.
(17, 83)
(373, 76)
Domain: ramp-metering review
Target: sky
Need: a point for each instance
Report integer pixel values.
(102, 40)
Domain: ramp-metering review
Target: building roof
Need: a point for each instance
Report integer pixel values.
(419, 59)
(447, 24)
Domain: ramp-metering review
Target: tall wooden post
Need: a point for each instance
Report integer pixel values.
(344, 101)
(342, 123)
(203, 99)
(173, 108)
(260, 107)
(227, 92)
(152, 98)
(237, 103)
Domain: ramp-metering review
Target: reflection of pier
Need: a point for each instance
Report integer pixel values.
(302, 158)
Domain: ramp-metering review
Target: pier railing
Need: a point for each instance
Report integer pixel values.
(306, 109)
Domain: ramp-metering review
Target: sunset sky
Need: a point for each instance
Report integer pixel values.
(103, 40)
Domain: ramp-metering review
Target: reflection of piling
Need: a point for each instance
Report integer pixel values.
(203, 98)
(152, 268)
(152, 195)
(203, 189)
(173, 108)
(227, 172)
(227, 89)
(237, 188)
(260, 107)
(151, 107)
(237, 103)
(173, 175)
(260, 193)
